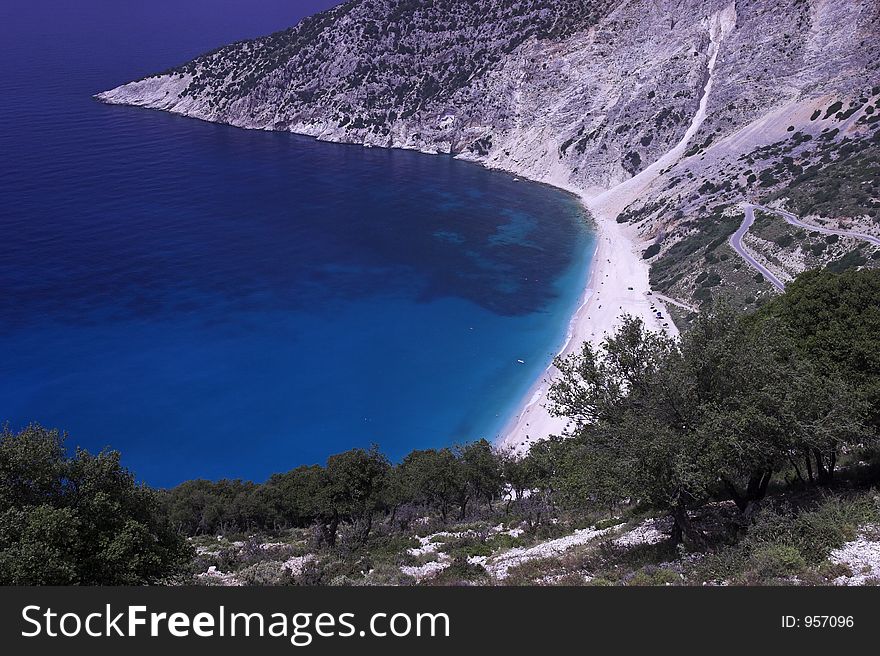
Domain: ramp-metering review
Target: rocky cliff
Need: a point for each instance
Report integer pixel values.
(711, 101)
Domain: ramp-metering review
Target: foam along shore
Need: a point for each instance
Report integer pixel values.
(618, 285)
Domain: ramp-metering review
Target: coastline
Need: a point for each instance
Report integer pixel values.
(618, 281)
(617, 284)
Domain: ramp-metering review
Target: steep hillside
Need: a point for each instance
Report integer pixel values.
(765, 99)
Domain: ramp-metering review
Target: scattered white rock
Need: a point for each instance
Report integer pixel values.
(862, 556)
(427, 545)
(513, 532)
(499, 565)
(295, 564)
(272, 546)
(215, 577)
(207, 551)
(428, 570)
(651, 531)
(555, 579)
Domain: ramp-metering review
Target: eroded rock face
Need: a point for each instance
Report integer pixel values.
(578, 93)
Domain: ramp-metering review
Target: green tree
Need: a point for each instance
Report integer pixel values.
(834, 322)
(431, 478)
(587, 477)
(479, 474)
(225, 506)
(292, 496)
(355, 490)
(516, 476)
(723, 408)
(541, 465)
(78, 520)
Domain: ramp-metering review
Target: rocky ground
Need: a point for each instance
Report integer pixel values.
(833, 540)
(861, 557)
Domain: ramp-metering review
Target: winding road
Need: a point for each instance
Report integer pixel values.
(736, 243)
(749, 211)
(793, 220)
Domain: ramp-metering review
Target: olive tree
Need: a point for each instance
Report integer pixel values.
(721, 409)
(834, 323)
(354, 490)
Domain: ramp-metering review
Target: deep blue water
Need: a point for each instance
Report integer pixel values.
(215, 302)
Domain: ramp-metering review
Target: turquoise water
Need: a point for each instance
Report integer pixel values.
(215, 302)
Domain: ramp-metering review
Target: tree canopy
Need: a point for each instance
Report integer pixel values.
(731, 403)
(78, 520)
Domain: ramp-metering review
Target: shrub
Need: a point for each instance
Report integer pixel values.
(80, 519)
(653, 576)
(651, 251)
(777, 561)
(784, 541)
(467, 546)
(503, 541)
(784, 240)
(461, 571)
(531, 571)
(268, 572)
(606, 523)
(392, 549)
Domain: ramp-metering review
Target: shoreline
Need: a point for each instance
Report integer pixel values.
(618, 251)
(605, 298)
(617, 284)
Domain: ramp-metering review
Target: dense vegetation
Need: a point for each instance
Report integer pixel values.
(78, 520)
(733, 403)
(742, 407)
(838, 178)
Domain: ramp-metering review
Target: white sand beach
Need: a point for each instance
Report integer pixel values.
(617, 285)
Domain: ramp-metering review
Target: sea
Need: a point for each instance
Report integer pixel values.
(221, 303)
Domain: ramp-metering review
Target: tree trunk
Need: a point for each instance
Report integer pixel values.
(331, 529)
(686, 531)
(765, 483)
(809, 462)
(738, 499)
(825, 472)
(756, 490)
(393, 515)
(797, 470)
